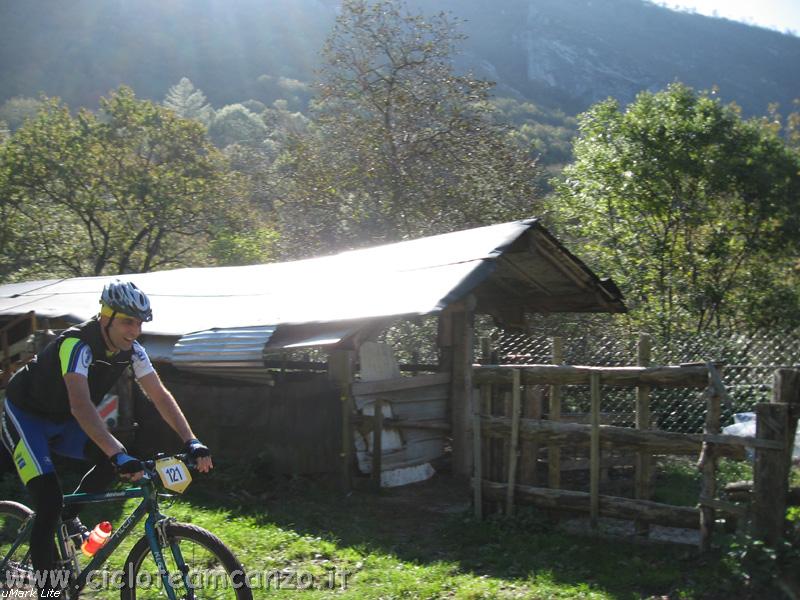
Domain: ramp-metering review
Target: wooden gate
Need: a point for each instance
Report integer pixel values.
(509, 429)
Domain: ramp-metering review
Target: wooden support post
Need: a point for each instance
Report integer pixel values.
(594, 456)
(769, 474)
(708, 465)
(461, 390)
(377, 445)
(513, 450)
(477, 477)
(340, 372)
(776, 421)
(553, 451)
(484, 408)
(529, 455)
(643, 417)
(786, 389)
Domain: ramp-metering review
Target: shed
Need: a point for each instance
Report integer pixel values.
(226, 321)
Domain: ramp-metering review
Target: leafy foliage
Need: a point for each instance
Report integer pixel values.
(401, 145)
(132, 189)
(691, 209)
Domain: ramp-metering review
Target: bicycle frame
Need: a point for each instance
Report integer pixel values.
(148, 506)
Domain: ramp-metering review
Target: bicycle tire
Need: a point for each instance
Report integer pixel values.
(18, 573)
(219, 567)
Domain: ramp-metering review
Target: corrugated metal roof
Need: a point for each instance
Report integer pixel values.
(413, 277)
(238, 347)
(236, 353)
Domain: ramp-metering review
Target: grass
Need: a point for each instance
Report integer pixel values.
(422, 542)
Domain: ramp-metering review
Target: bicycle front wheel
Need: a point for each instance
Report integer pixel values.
(200, 567)
(17, 569)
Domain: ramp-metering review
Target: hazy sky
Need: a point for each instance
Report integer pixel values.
(775, 14)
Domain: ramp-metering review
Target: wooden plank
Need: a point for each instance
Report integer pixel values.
(727, 507)
(364, 388)
(643, 474)
(461, 396)
(607, 461)
(610, 506)
(377, 363)
(513, 451)
(769, 474)
(477, 469)
(529, 454)
(594, 452)
(744, 441)
(695, 376)
(377, 445)
(611, 437)
(436, 425)
(716, 380)
(786, 390)
(553, 451)
(340, 371)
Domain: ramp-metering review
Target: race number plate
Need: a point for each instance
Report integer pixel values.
(174, 474)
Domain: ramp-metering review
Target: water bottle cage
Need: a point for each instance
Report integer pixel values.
(73, 542)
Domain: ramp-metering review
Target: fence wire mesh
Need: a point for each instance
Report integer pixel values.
(747, 362)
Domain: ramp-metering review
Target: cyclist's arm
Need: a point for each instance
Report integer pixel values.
(170, 411)
(75, 356)
(80, 404)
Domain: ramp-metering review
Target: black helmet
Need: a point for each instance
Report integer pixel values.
(125, 297)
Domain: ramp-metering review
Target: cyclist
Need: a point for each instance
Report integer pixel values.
(51, 407)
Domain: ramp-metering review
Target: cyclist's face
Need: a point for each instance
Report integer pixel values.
(123, 331)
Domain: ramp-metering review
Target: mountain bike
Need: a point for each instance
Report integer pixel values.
(173, 560)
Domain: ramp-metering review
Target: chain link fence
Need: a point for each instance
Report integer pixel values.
(748, 363)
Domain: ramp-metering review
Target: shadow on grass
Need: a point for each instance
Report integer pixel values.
(432, 523)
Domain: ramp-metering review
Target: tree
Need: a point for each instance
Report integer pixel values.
(691, 209)
(135, 188)
(234, 124)
(188, 102)
(400, 145)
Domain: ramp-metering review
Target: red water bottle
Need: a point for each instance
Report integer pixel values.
(97, 539)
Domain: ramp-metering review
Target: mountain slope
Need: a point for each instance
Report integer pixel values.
(560, 53)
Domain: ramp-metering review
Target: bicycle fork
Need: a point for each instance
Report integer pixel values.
(156, 531)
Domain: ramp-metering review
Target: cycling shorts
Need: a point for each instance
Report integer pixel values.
(30, 440)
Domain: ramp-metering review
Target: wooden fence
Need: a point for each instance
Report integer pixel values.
(16, 348)
(509, 430)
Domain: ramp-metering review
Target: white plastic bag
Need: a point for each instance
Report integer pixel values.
(744, 425)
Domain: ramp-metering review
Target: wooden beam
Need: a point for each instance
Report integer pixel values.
(611, 437)
(594, 452)
(553, 451)
(643, 473)
(693, 376)
(461, 388)
(513, 450)
(507, 261)
(399, 384)
(396, 423)
(610, 506)
(477, 468)
(708, 464)
(340, 372)
(770, 485)
(377, 445)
